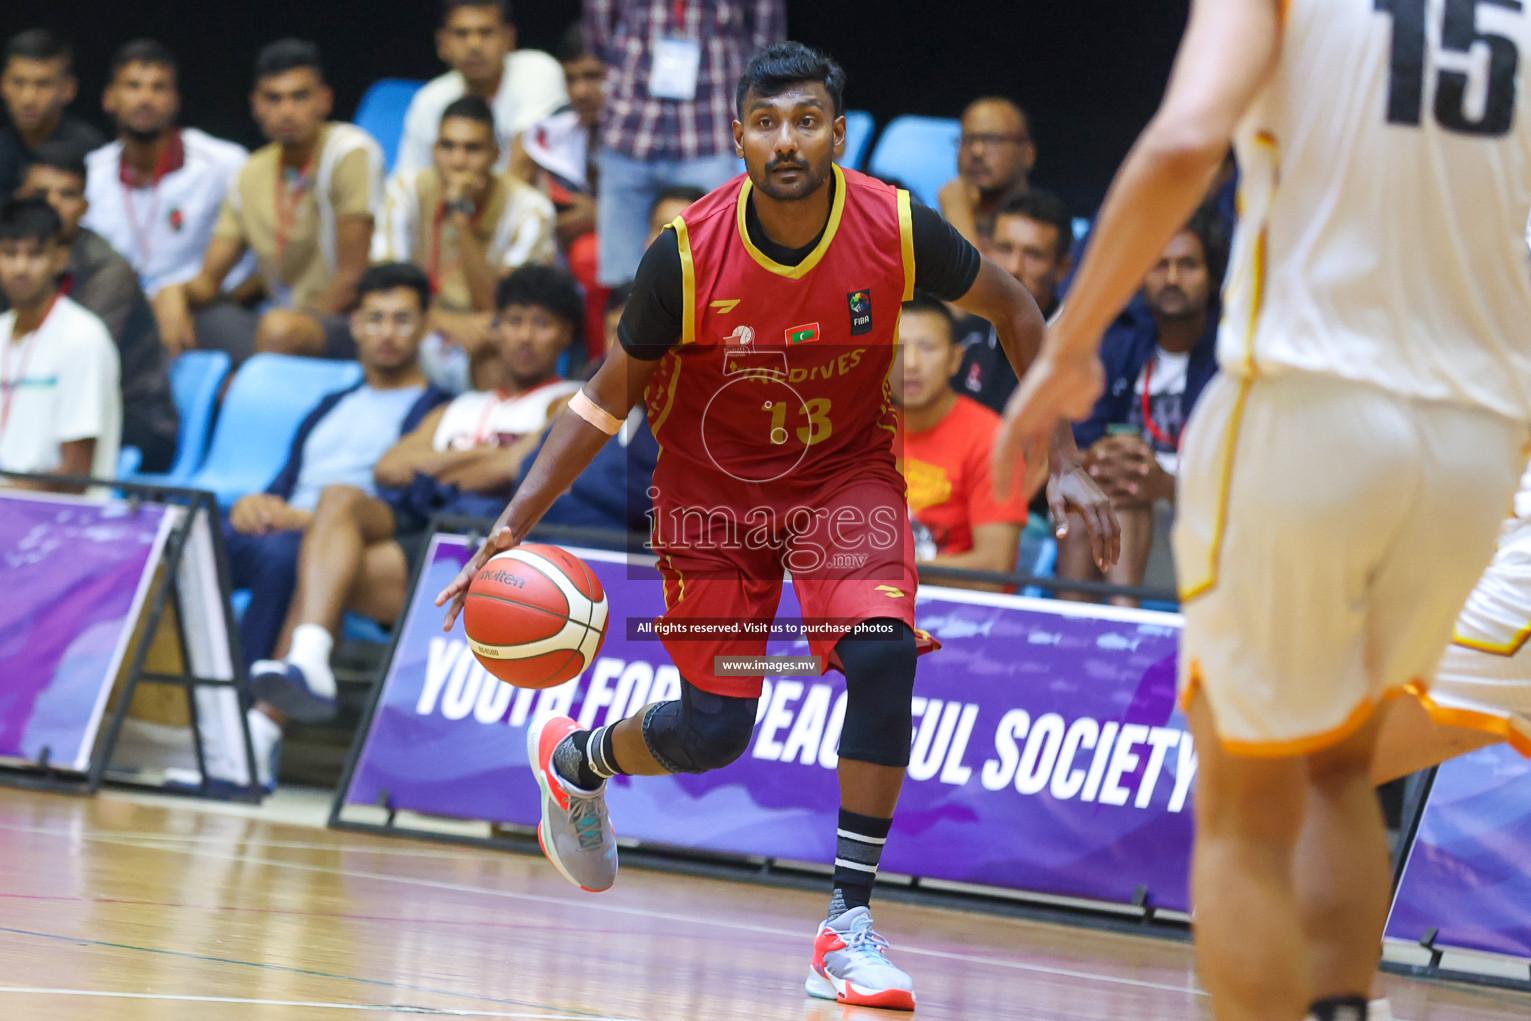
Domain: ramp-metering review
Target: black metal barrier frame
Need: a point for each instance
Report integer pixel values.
(43, 775)
(1139, 916)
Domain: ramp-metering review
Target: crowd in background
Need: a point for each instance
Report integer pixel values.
(474, 283)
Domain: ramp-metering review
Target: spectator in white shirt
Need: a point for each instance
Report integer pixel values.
(156, 191)
(477, 39)
(60, 412)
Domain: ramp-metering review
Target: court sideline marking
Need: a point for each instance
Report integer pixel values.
(437, 884)
(372, 1007)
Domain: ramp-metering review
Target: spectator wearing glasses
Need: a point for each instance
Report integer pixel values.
(463, 458)
(467, 226)
(670, 113)
(995, 155)
(37, 83)
(1155, 369)
(336, 447)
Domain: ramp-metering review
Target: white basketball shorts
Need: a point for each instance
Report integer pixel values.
(1327, 536)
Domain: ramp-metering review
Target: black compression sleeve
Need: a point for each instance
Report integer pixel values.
(652, 321)
(945, 263)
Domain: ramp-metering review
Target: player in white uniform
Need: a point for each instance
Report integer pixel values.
(1342, 481)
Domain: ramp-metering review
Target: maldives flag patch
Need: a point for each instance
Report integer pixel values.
(803, 334)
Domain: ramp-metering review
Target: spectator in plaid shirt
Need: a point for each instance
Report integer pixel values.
(670, 105)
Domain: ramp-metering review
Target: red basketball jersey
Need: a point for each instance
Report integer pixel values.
(781, 379)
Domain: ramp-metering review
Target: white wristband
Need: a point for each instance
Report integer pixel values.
(593, 413)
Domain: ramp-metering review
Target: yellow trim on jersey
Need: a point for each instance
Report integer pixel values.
(1224, 489)
(687, 282)
(836, 211)
(1296, 746)
(887, 383)
(669, 401)
(906, 239)
(1256, 302)
(1489, 723)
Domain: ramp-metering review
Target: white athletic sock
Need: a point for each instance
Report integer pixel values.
(1379, 1010)
(264, 734)
(310, 652)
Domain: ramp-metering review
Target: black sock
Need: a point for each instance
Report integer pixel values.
(1339, 1008)
(858, 850)
(586, 758)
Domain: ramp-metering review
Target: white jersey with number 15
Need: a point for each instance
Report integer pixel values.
(1386, 182)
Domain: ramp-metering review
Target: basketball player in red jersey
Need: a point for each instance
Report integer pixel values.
(761, 335)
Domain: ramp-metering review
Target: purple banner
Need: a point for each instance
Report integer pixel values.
(1469, 874)
(1048, 754)
(73, 574)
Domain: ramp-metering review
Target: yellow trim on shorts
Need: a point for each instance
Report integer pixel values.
(1225, 486)
(1295, 747)
(1502, 727)
(1509, 648)
(906, 241)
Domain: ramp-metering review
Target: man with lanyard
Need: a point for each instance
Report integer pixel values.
(761, 335)
(155, 192)
(304, 204)
(60, 412)
(673, 68)
(1156, 368)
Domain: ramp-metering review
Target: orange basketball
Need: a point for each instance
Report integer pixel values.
(536, 616)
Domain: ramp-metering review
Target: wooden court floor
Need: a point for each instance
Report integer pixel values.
(120, 907)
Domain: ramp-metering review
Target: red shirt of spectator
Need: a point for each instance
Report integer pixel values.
(947, 471)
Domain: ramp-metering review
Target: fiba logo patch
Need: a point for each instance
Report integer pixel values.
(741, 335)
(860, 303)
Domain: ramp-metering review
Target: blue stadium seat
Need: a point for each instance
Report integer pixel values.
(921, 152)
(128, 460)
(859, 127)
(195, 380)
(381, 113)
(268, 400)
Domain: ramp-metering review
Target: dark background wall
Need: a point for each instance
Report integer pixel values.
(1090, 71)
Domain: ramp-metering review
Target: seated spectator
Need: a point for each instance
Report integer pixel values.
(155, 192)
(304, 204)
(60, 413)
(995, 155)
(467, 226)
(461, 459)
(1032, 236)
(477, 40)
(102, 282)
(338, 444)
(1155, 369)
(37, 83)
(557, 155)
(670, 203)
(613, 492)
(945, 441)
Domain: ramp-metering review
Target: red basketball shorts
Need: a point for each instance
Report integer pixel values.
(847, 546)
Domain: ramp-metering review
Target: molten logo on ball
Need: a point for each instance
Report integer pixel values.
(536, 616)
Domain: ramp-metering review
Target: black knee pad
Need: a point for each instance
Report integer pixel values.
(879, 682)
(700, 731)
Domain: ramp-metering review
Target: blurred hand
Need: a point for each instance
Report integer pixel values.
(1128, 469)
(257, 514)
(1056, 387)
(177, 329)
